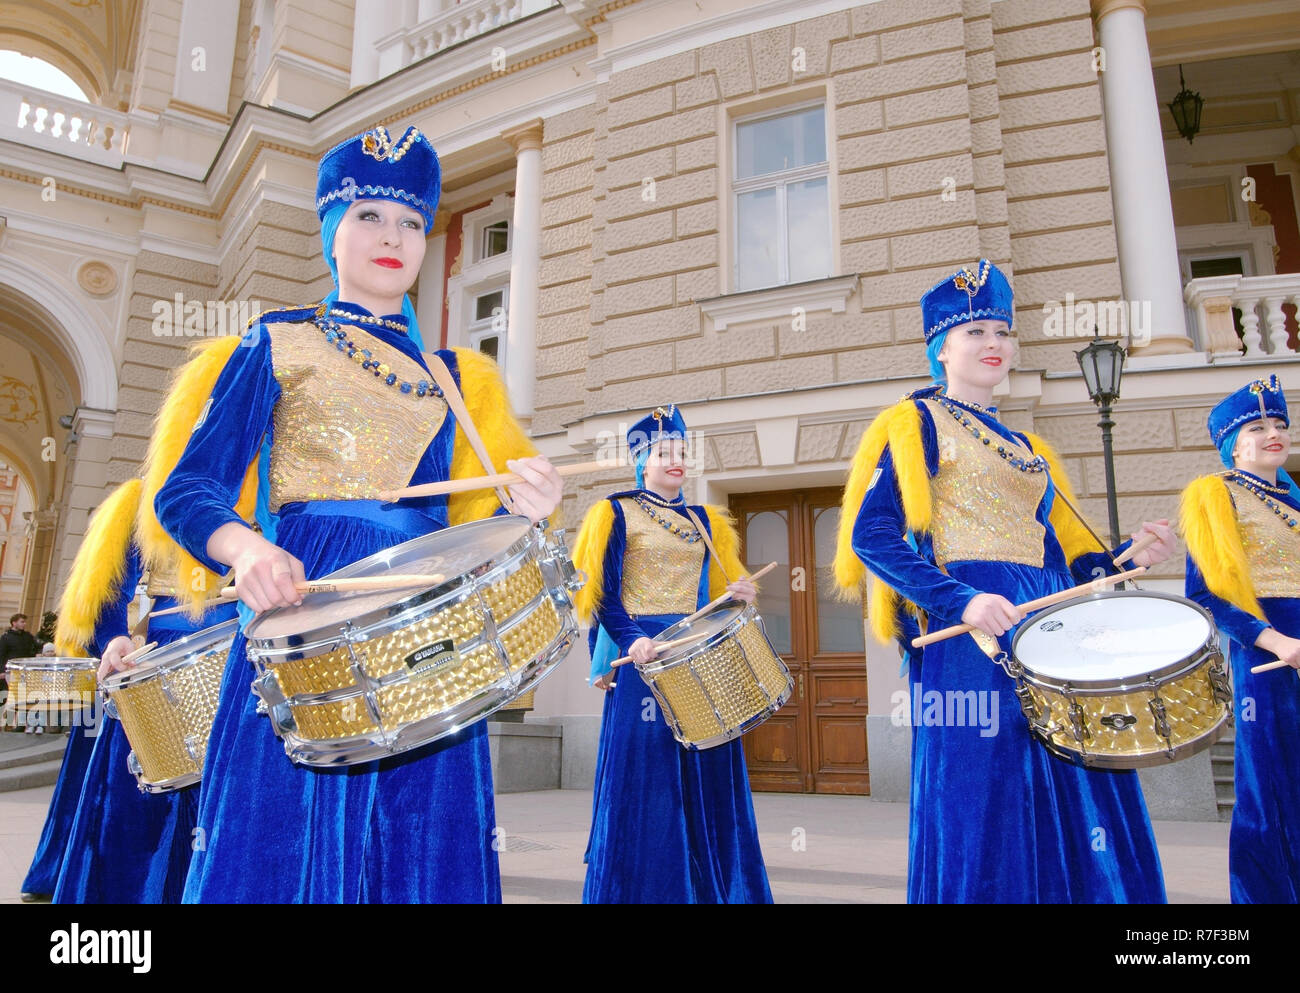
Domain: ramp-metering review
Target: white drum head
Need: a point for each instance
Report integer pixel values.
(1111, 637)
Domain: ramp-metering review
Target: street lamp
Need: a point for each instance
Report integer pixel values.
(1186, 110)
(1102, 363)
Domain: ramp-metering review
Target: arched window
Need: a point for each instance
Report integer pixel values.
(30, 71)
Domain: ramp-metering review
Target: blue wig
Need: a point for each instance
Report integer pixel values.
(932, 356)
(1225, 455)
(329, 227)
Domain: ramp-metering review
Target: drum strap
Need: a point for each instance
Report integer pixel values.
(708, 543)
(451, 392)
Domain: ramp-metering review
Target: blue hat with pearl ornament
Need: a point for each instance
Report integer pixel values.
(660, 423)
(978, 294)
(375, 166)
(1254, 401)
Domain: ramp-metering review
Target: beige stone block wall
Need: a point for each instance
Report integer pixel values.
(148, 359)
(1057, 182)
(276, 260)
(319, 30)
(569, 245)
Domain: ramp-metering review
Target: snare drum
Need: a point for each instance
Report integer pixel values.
(713, 690)
(51, 685)
(351, 677)
(1122, 679)
(167, 704)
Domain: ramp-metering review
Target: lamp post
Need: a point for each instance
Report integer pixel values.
(1102, 363)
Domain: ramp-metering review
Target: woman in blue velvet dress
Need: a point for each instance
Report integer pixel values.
(94, 593)
(1243, 565)
(321, 409)
(668, 825)
(956, 513)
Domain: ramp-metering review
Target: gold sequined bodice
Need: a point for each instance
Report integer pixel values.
(1272, 548)
(340, 433)
(158, 586)
(661, 571)
(983, 508)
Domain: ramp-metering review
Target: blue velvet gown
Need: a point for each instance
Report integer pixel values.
(416, 828)
(668, 825)
(125, 845)
(43, 874)
(996, 818)
(1264, 843)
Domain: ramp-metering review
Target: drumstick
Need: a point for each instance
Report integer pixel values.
(1267, 666)
(132, 656)
(361, 583)
(726, 596)
(663, 646)
(485, 482)
(1032, 605)
(205, 606)
(1139, 544)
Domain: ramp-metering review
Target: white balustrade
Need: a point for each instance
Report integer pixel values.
(33, 116)
(1211, 300)
(455, 23)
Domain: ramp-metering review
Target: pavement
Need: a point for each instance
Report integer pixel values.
(818, 849)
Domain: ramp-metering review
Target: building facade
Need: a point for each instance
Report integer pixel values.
(729, 205)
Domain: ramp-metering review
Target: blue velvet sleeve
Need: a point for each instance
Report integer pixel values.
(878, 540)
(112, 621)
(1239, 625)
(1092, 565)
(200, 494)
(611, 614)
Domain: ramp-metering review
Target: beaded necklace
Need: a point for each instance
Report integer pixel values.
(1262, 490)
(955, 407)
(397, 326)
(336, 336)
(647, 503)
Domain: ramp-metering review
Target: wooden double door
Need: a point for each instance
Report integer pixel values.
(817, 742)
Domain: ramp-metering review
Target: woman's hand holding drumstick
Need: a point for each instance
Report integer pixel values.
(1286, 649)
(1020, 610)
(645, 650)
(119, 655)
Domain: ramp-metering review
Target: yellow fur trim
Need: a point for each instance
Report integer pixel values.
(899, 427)
(97, 570)
(1207, 520)
(589, 556)
(489, 407)
(191, 386)
(1070, 532)
(722, 530)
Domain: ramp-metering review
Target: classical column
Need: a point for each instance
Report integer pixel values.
(1139, 180)
(205, 54)
(525, 257)
(432, 286)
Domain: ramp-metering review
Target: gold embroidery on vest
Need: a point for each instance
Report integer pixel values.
(340, 433)
(1272, 548)
(661, 573)
(984, 509)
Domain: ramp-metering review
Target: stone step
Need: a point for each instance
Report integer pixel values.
(37, 749)
(24, 777)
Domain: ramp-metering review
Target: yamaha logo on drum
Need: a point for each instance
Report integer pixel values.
(432, 659)
(1051, 626)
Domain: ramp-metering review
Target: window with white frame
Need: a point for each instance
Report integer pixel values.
(493, 240)
(487, 326)
(781, 198)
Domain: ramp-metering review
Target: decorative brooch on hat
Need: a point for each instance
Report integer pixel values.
(1257, 400)
(375, 166)
(981, 293)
